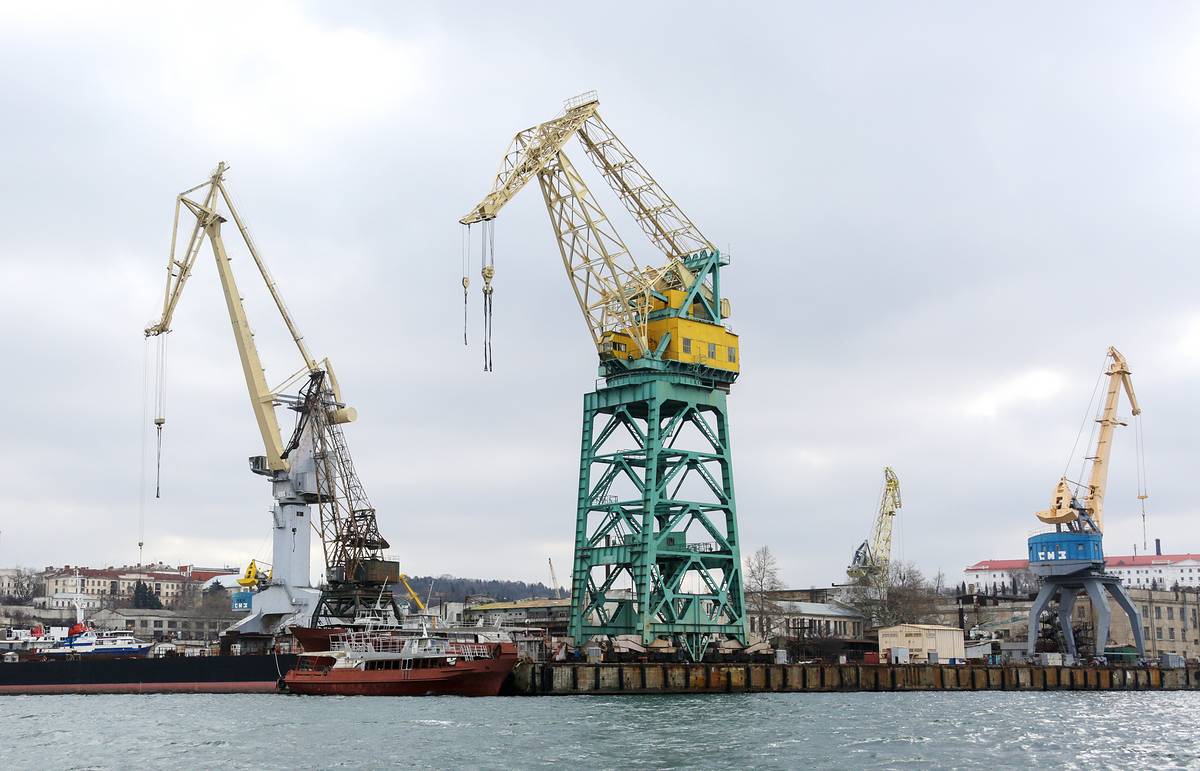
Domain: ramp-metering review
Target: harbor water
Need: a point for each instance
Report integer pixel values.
(766, 730)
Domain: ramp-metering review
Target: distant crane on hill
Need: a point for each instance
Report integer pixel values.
(872, 559)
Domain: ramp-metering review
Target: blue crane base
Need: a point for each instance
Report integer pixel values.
(1070, 563)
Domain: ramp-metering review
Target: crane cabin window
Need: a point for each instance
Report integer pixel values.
(712, 350)
(687, 345)
(732, 354)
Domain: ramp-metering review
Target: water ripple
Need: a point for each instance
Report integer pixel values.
(784, 731)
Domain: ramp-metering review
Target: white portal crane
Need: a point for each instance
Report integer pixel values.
(312, 467)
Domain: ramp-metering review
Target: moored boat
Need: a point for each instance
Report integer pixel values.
(374, 664)
(87, 643)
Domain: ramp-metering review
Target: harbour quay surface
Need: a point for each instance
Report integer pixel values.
(607, 679)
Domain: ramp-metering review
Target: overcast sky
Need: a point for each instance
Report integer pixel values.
(939, 218)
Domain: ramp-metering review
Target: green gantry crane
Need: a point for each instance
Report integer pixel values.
(656, 539)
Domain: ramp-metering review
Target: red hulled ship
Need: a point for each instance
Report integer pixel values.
(373, 664)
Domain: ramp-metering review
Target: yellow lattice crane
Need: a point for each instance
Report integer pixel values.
(412, 594)
(634, 312)
(873, 557)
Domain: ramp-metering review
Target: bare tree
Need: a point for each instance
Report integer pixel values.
(760, 578)
(909, 598)
(24, 587)
(1024, 581)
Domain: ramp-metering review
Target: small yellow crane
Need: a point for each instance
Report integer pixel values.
(416, 598)
(873, 557)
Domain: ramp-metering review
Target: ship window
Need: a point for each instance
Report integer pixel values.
(732, 354)
(687, 345)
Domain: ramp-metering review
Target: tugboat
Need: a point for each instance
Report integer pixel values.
(374, 664)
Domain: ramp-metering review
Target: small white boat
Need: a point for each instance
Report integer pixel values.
(88, 643)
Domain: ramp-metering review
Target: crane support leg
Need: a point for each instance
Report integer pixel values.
(1066, 603)
(656, 540)
(1103, 614)
(1094, 582)
(1135, 618)
(1044, 595)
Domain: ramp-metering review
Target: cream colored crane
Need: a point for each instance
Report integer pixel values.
(313, 466)
(1065, 507)
(614, 292)
(873, 557)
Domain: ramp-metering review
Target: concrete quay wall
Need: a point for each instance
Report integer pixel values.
(573, 679)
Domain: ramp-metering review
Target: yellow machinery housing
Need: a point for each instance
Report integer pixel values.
(692, 341)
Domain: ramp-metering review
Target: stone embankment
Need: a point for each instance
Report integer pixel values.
(571, 678)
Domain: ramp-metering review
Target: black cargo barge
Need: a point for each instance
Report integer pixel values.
(171, 674)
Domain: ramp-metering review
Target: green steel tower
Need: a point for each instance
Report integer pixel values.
(656, 541)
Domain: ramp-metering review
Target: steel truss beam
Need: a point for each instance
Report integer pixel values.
(635, 570)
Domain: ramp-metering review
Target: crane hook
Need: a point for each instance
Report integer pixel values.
(488, 272)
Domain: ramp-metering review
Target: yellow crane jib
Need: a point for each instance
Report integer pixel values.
(252, 576)
(412, 594)
(873, 556)
(1066, 506)
(668, 312)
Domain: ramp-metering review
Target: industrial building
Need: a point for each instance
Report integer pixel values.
(551, 615)
(148, 624)
(798, 619)
(93, 588)
(921, 643)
